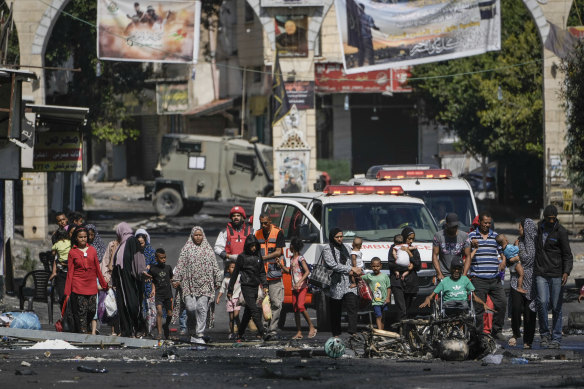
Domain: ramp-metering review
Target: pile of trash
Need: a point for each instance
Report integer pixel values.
(22, 320)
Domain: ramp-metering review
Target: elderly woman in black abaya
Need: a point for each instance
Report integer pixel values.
(336, 256)
(404, 279)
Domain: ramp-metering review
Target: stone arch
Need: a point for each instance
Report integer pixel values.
(34, 21)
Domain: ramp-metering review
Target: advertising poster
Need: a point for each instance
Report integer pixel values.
(380, 34)
(58, 152)
(293, 170)
(292, 35)
(171, 98)
(148, 31)
(301, 93)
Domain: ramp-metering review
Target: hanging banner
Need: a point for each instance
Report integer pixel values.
(156, 31)
(300, 93)
(58, 152)
(376, 34)
(331, 78)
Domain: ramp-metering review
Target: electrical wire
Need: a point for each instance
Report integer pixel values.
(309, 75)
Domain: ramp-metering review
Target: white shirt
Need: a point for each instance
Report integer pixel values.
(359, 258)
(236, 287)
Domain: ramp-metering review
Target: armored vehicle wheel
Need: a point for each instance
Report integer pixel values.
(168, 202)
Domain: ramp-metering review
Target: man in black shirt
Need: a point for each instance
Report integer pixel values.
(161, 288)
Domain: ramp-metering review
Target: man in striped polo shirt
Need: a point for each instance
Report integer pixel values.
(487, 260)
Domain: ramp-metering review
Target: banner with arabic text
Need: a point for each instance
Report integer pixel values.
(152, 31)
(58, 152)
(381, 34)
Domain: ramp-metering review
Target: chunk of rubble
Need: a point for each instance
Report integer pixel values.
(53, 344)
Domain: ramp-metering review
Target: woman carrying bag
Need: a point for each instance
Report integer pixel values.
(336, 257)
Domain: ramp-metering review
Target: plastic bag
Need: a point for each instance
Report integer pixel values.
(25, 321)
(266, 308)
(101, 306)
(111, 307)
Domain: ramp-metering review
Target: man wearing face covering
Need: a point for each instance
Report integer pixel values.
(553, 264)
(337, 258)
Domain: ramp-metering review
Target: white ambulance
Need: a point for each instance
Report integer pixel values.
(441, 192)
(374, 213)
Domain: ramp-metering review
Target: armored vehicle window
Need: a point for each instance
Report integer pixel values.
(188, 147)
(244, 161)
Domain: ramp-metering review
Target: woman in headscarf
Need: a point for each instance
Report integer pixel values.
(149, 305)
(404, 290)
(523, 304)
(198, 275)
(336, 257)
(95, 240)
(128, 271)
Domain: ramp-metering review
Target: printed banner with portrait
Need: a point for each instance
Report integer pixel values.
(293, 170)
(148, 31)
(379, 34)
(292, 35)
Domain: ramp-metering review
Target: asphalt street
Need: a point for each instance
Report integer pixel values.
(227, 364)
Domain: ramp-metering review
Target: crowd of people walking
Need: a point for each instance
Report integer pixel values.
(86, 269)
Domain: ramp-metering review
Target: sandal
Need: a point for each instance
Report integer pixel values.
(298, 337)
(512, 342)
(312, 334)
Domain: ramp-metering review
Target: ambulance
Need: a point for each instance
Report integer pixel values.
(374, 213)
(442, 193)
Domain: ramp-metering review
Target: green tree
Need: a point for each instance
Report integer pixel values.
(493, 113)
(75, 37)
(572, 95)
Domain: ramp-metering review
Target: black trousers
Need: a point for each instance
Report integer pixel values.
(60, 281)
(519, 308)
(252, 311)
(351, 301)
(493, 288)
(403, 301)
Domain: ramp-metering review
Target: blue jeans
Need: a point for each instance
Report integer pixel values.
(183, 320)
(550, 290)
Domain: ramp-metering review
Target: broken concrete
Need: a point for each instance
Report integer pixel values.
(78, 339)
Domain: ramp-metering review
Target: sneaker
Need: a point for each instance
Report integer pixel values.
(499, 336)
(197, 340)
(554, 344)
(544, 342)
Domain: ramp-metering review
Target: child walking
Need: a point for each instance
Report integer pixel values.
(380, 286)
(299, 274)
(60, 251)
(232, 304)
(161, 290)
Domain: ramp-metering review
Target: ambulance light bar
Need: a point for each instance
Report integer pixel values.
(405, 174)
(358, 189)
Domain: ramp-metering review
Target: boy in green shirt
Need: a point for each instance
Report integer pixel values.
(455, 289)
(380, 286)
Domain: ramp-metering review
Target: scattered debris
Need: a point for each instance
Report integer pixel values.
(24, 372)
(493, 359)
(87, 369)
(294, 352)
(25, 363)
(53, 344)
